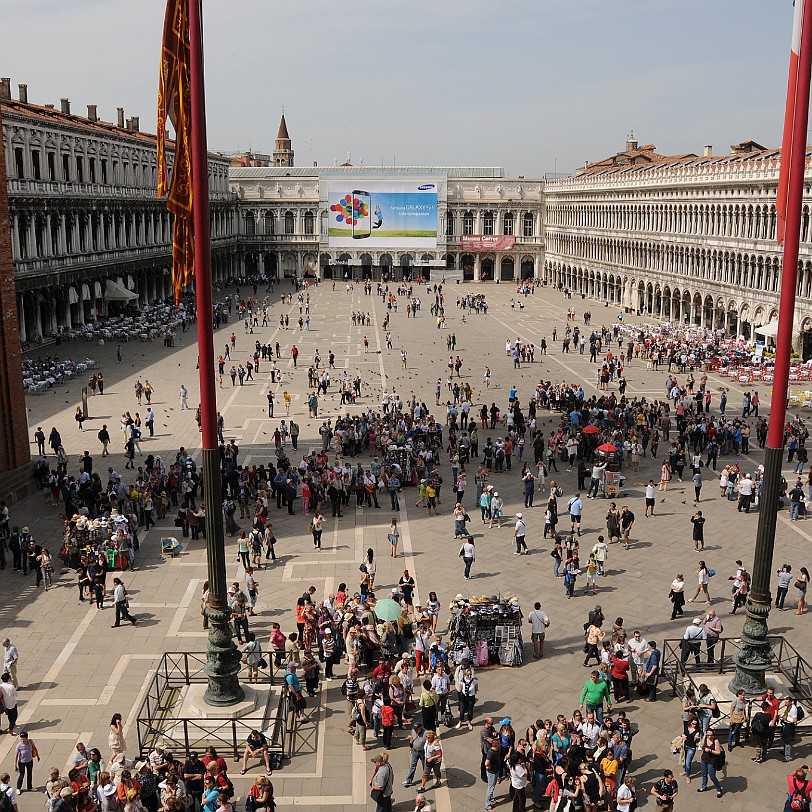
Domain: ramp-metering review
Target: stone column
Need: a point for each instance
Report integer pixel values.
(477, 268)
(15, 236)
(67, 318)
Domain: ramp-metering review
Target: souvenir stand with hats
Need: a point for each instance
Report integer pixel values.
(486, 630)
(109, 536)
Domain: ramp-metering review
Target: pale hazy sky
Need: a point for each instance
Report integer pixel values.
(531, 85)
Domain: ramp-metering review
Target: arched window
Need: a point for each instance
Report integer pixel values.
(449, 224)
(250, 224)
(270, 222)
(487, 222)
(468, 223)
(309, 223)
(290, 222)
(528, 225)
(507, 223)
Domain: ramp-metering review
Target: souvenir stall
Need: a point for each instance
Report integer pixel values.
(399, 460)
(109, 536)
(486, 630)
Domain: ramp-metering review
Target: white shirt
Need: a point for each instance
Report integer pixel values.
(9, 693)
(538, 621)
(119, 594)
(590, 732)
(521, 528)
(10, 656)
(7, 789)
(638, 648)
(651, 492)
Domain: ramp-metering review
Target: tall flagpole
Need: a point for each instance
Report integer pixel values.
(754, 658)
(222, 656)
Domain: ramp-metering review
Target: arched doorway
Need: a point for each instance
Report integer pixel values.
(467, 263)
(806, 339)
(487, 266)
(386, 266)
(506, 269)
(366, 266)
(528, 268)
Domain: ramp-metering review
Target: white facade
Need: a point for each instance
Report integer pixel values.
(84, 209)
(283, 224)
(691, 240)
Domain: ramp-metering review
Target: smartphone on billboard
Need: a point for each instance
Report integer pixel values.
(362, 219)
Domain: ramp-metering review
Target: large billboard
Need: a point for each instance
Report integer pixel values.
(382, 213)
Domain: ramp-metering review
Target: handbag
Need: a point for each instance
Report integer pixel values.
(376, 795)
(263, 663)
(799, 584)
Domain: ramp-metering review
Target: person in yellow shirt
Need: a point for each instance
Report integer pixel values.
(609, 767)
(431, 499)
(286, 398)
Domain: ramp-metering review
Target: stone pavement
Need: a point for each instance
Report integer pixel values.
(76, 671)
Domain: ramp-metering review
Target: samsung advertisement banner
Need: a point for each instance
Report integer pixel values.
(371, 214)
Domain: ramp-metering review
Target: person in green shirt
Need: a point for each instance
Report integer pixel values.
(593, 695)
(294, 434)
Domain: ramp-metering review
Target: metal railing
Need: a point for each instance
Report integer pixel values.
(158, 722)
(681, 672)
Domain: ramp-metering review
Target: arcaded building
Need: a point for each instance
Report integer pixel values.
(687, 238)
(88, 231)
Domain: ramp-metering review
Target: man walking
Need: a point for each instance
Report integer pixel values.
(519, 533)
(122, 605)
(8, 698)
(104, 439)
(575, 507)
(539, 623)
(184, 395)
(149, 419)
(10, 658)
(39, 436)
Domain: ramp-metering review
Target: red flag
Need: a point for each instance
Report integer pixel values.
(174, 102)
(782, 198)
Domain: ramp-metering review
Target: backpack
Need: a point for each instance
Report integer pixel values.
(344, 688)
(5, 801)
(800, 712)
(798, 800)
(721, 759)
(758, 725)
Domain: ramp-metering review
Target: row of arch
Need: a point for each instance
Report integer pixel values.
(746, 221)
(757, 271)
(675, 303)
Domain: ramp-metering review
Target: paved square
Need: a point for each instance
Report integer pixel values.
(75, 671)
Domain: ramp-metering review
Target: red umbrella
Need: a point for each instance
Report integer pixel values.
(591, 429)
(608, 447)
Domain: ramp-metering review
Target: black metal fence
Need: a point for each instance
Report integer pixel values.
(680, 670)
(157, 720)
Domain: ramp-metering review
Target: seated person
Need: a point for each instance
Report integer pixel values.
(256, 746)
(260, 798)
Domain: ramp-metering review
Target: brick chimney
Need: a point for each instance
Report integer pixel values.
(23, 89)
(135, 124)
(5, 88)
(120, 111)
(92, 115)
(64, 105)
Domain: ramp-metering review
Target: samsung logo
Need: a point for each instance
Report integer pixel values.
(425, 187)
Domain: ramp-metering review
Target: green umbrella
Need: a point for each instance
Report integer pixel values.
(387, 609)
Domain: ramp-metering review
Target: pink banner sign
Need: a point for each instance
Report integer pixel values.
(487, 242)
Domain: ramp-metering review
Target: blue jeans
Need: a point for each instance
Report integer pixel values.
(709, 771)
(794, 507)
(491, 786)
(418, 757)
(734, 734)
(598, 710)
(384, 805)
(556, 566)
(690, 752)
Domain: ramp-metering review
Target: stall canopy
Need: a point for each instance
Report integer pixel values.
(767, 330)
(117, 293)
